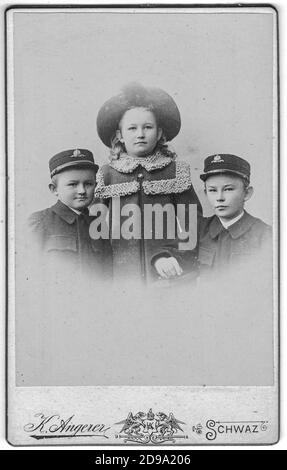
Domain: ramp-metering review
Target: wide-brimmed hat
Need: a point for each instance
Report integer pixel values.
(225, 163)
(135, 95)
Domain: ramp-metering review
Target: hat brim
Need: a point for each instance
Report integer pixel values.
(204, 176)
(75, 164)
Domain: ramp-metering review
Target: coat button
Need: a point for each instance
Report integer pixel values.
(140, 176)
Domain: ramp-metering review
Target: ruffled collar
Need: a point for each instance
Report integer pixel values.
(156, 161)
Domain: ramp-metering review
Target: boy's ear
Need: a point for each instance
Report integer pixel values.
(119, 135)
(159, 133)
(248, 193)
(53, 189)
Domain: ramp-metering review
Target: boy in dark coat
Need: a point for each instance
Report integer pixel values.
(231, 235)
(62, 231)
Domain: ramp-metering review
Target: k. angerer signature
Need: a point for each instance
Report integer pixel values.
(55, 426)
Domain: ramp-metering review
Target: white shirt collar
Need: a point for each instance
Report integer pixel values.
(74, 210)
(232, 221)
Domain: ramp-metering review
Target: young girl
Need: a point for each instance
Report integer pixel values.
(143, 184)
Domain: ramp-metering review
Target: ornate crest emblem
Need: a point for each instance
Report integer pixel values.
(217, 159)
(149, 427)
(77, 153)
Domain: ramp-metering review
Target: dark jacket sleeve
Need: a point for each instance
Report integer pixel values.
(184, 248)
(187, 249)
(37, 227)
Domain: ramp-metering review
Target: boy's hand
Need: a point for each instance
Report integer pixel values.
(167, 267)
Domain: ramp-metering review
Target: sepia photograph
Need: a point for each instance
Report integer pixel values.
(143, 206)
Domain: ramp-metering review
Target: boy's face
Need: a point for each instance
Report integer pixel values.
(75, 187)
(227, 195)
(139, 132)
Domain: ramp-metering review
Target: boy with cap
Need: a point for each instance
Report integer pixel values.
(231, 234)
(62, 231)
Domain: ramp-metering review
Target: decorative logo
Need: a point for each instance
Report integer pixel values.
(77, 153)
(217, 159)
(146, 428)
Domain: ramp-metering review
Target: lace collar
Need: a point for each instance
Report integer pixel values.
(128, 164)
(180, 183)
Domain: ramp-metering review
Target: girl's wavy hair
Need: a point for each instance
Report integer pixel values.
(118, 148)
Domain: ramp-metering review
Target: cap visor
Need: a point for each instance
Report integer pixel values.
(77, 163)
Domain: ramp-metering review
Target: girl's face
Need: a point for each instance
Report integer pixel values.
(227, 195)
(139, 132)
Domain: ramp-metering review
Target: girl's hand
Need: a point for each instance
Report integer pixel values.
(167, 267)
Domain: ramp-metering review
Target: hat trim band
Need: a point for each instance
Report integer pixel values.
(74, 163)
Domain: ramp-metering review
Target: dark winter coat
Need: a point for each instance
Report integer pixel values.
(158, 181)
(62, 237)
(220, 248)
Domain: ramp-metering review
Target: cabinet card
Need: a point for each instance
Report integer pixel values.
(129, 338)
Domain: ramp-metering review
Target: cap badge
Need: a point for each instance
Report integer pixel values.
(77, 153)
(217, 159)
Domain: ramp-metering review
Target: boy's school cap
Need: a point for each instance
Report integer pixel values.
(71, 158)
(135, 95)
(225, 163)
